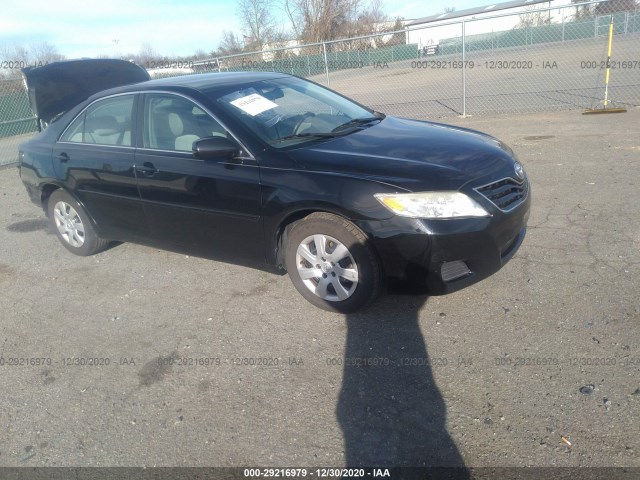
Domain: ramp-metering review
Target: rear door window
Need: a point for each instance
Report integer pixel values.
(105, 122)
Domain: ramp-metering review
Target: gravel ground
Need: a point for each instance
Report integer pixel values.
(505, 373)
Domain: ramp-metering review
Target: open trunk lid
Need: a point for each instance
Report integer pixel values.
(60, 86)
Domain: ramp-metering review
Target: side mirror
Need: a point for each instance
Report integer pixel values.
(210, 148)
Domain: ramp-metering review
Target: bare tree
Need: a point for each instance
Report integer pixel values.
(398, 38)
(19, 56)
(311, 19)
(32, 54)
(370, 20)
(45, 52)
(293, 13)
(532, 18)
(582, 11)
(146, 55)
(14, 55)
(322, 20)
(257, 21)
(229, 44)
(199, 54)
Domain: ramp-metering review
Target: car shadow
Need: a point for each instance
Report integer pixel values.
(31, 225)
(390, 409)
(206, 254)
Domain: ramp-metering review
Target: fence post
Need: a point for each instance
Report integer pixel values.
(562, 24)
(626, 21)
(326, 63)
(464, 72)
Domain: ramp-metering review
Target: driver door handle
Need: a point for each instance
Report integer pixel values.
(147, 168)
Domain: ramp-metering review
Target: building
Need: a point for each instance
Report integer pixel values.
(430, 31)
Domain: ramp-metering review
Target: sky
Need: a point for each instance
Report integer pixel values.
(91, 28)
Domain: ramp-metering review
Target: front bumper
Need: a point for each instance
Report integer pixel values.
(442, 256)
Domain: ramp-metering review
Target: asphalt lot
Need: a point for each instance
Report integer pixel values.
(543, 77)
(488, 376)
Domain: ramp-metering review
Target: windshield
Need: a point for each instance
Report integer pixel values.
(288, 111)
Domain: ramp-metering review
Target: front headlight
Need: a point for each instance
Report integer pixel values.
(431, 205)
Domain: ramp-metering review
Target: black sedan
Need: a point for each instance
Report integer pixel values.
(267, 169)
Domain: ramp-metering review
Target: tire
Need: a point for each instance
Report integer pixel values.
(72, 225)
(346, 277)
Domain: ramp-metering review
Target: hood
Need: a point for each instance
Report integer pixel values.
(410, 154)
(60, 86)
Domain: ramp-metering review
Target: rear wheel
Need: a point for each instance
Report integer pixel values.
(73, 226)
(331, 263)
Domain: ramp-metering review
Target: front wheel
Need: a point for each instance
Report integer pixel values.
(331, 263)
(73, 226)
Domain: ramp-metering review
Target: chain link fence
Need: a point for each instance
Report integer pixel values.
(540, 59)
(16, 119)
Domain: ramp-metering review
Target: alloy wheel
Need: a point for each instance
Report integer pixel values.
(326, 267)
(69, 224)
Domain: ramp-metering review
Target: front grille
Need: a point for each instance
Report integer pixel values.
(506, 194)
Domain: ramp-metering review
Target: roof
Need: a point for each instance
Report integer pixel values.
(493, 7)
(203, 82)
(199, 81)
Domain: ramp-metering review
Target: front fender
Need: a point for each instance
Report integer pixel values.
(288, 195)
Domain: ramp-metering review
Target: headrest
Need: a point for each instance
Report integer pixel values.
(176, 125)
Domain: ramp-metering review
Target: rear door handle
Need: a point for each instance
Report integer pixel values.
(63, 157)
(147, 168)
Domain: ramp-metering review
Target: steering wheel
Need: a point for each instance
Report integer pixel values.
(299, 123)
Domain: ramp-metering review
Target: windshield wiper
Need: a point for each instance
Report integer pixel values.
(339, 131)
(309, 134)
(356, 122)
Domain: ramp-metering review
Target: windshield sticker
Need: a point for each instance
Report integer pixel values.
(254, 104)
